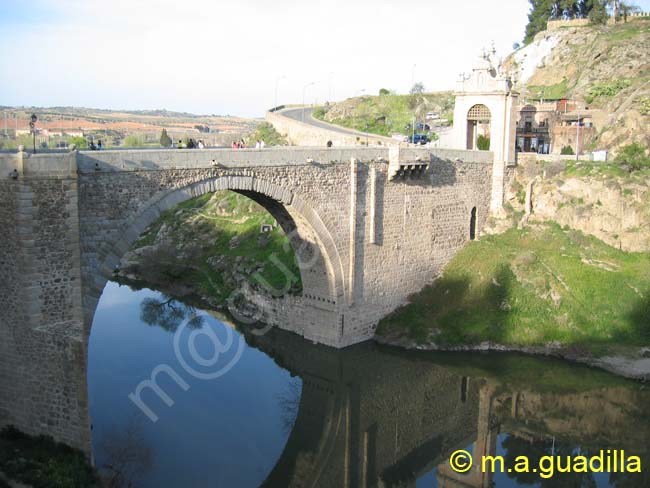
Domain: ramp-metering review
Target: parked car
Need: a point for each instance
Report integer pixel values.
(432, 116)
(421, 126)
(421, 139)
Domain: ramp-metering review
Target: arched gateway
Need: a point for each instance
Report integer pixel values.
(486, 105)
(370, 225)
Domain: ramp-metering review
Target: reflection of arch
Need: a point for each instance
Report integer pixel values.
(478, 123)
(311, 240)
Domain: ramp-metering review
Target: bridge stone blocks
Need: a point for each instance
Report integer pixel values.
(67, 219)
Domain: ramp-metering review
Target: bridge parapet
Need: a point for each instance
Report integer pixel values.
(50, 166)
(53, 165)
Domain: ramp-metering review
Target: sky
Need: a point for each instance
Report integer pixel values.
(228, 57)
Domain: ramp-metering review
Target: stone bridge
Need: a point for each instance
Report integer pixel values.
(369, 226)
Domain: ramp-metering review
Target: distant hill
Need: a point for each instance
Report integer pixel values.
(57, 124)
(606, 67)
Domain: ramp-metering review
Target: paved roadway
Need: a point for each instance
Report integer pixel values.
(296, 114)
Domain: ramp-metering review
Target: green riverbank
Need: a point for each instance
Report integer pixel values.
(533, 287)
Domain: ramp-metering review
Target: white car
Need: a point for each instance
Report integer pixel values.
(432, 116)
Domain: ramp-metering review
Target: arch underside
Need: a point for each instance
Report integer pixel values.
(319, 261)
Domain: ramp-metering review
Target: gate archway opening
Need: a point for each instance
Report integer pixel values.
(472, 224)
(479, 121)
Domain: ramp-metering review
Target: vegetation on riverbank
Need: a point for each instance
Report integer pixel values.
(535, 286)
(387, 113)
(40, 462)
(208, 246)
(267, 133)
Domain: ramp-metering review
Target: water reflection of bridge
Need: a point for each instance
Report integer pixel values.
(374, 417)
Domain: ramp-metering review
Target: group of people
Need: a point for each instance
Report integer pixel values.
(95, 147)
(260, 144)
(238, 144)
(191, 144)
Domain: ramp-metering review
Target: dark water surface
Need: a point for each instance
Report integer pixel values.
(232, 408)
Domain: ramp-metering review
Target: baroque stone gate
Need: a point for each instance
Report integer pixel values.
(371, 225)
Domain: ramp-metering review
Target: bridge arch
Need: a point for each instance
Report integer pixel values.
(319, 260)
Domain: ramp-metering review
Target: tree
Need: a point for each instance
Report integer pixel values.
(614, 5)
(634, 156)
(543, 10)
(627, 9)
(384, 91)
(598, 13)
(417, 88)
(133, 140)
(165, 140)
(80, 142)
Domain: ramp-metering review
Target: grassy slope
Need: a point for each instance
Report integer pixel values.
(42, 463)
(365, 113)
(531, 287)
(211, 222)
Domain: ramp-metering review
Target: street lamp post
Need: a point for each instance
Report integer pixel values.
(277, 82)
(413, 76)
(359, 93)
(304, 89)
(32, 129)
(329, 87)
(578, 141)
(414, 108)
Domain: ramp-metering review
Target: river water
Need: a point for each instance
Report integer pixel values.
(234, 407)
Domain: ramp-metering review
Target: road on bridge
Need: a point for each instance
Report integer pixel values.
(296, 114)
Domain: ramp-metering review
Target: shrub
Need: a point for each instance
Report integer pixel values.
(644, 105)
(80, 142)
(634, 156)
(606, 89)
(267, 133)
(319, 112)
(567, 151)
(483, 143)
(133, 140)
(384, 91)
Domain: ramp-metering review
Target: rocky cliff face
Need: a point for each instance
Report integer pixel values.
(604, 201)
(607, 67)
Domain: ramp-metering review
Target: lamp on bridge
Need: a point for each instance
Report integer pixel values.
(304, 89)
(277, 82)
(32, 129)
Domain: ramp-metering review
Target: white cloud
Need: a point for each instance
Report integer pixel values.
(225, 56)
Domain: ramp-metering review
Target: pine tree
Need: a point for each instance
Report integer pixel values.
(165, 140)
